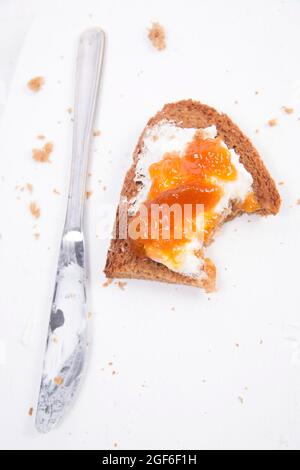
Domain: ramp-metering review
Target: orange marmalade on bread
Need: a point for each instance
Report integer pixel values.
(200, 173)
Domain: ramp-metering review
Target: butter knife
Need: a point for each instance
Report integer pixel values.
(67, 334)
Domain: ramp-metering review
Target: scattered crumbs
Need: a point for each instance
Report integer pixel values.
(55, 340)
(37, 236)
(236, 102)
(113, 372)
(89, 175)
(155, 138)
(104, 188)
(115, 444)
(256, 131)
(41, 137)
(298, 202)
(96, 133)
(35, 210)
(237, 345)
(249, 221)
(121, 285)
(42, 155)
(55, 191)
(30, 411)
(281, 183)
(88, 194)
(261, 342)
(90, 315)
(110, 363)
(58, 380)
(107, 282)
(36, 84)
(173, 309)
(273, 122)
(287, 110)
(29, 187)
(204, 381)
(241, 400)
(69, 110)
(257, 92)
(157, 36)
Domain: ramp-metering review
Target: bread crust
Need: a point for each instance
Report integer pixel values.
(121, 261)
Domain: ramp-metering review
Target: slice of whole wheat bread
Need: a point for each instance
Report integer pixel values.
(122, 262)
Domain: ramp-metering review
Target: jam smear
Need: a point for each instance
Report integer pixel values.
(189, 179)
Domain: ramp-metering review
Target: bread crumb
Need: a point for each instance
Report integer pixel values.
(256, 131)
(37, 236)
(35, 84)
(121, 285)
(29, 187)
(237, 345)
(261, 342)
(110, 363)
(287, 110)
(173, 309)
(88, 194)
(273, 122)
(42, 155)
(55, 191)
(97, 133)
(241, 400)
(41, 137)
(257, 92)
(155, 138)
(281, 183)
(107, 282)
(90, 315)
(104, 188)
(35, 210)
(58, 380)
(298, 202)
(157, 36)
(113, 372)
(115, 445)
(30, 411)
(236, 102)
(69, 110)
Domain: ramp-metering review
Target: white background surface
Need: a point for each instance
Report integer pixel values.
(221, 371)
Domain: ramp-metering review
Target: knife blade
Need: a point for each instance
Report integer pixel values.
(67, 332)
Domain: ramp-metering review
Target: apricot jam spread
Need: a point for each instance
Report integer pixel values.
(197, 176)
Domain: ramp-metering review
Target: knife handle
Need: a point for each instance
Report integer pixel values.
(89, 61)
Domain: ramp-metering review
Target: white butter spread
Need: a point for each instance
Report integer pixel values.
(166, 137)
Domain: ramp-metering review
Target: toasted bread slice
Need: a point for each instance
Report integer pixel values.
(122, 262)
